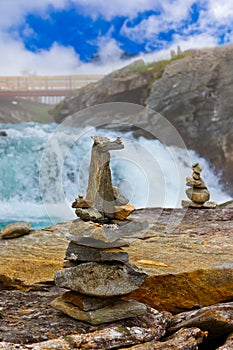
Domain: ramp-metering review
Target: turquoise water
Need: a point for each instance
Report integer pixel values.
(40, 175)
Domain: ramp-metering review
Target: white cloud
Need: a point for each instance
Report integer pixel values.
(15, 58)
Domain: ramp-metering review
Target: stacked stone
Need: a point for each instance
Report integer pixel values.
(97, 278)
(197, 193)
(97, 272)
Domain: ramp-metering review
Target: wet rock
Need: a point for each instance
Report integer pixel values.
(184, 339)
(101, 279)
(3, 133)
(216, 319)
(86, 303)
(15, 229)
(80, 253)
(117, 311)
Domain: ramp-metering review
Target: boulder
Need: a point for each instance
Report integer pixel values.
(15, 229)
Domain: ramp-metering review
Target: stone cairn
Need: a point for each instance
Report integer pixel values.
(96, 270)
(197, 193)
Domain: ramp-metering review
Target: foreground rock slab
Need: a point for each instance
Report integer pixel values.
(186, 253)
(184, 339)
(216, 319)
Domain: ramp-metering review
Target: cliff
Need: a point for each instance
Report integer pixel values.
(193, 91)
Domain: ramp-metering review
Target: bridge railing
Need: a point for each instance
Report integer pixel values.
(45, 83)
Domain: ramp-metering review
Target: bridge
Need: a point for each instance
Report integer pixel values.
(36, 86)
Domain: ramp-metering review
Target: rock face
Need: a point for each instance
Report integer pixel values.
(193, 93)
(127, 84)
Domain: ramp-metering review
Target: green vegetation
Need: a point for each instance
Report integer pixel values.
(38, 111)
(156, 67)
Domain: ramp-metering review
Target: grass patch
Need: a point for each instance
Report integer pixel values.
(38, 111)
(157, 67)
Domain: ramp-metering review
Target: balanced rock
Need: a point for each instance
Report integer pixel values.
(79, 253)
(101, 279)
(15, 229)
(198, 192)
(117, 311)
(103, 201)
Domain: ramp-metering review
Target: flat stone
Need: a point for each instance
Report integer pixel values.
(210, 205)
(86, 303)
(187, 204)
(87, 214)
(123, 211)
(101, 279)
(98, 243)
(216, 319)
(15, 229)
(117, 311)
(97, 235)
(195, 183)
(80, 253)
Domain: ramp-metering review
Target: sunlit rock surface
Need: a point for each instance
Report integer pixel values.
(187, 255)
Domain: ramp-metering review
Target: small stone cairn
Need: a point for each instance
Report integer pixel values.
(96, 270)
(197, 193)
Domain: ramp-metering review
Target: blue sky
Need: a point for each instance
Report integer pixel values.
(98, 36)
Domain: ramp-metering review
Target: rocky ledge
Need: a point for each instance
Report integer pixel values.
(187, 255)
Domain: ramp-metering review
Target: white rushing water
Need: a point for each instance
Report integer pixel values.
(39, 181)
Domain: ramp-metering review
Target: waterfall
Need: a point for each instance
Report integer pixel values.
(41, 175)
